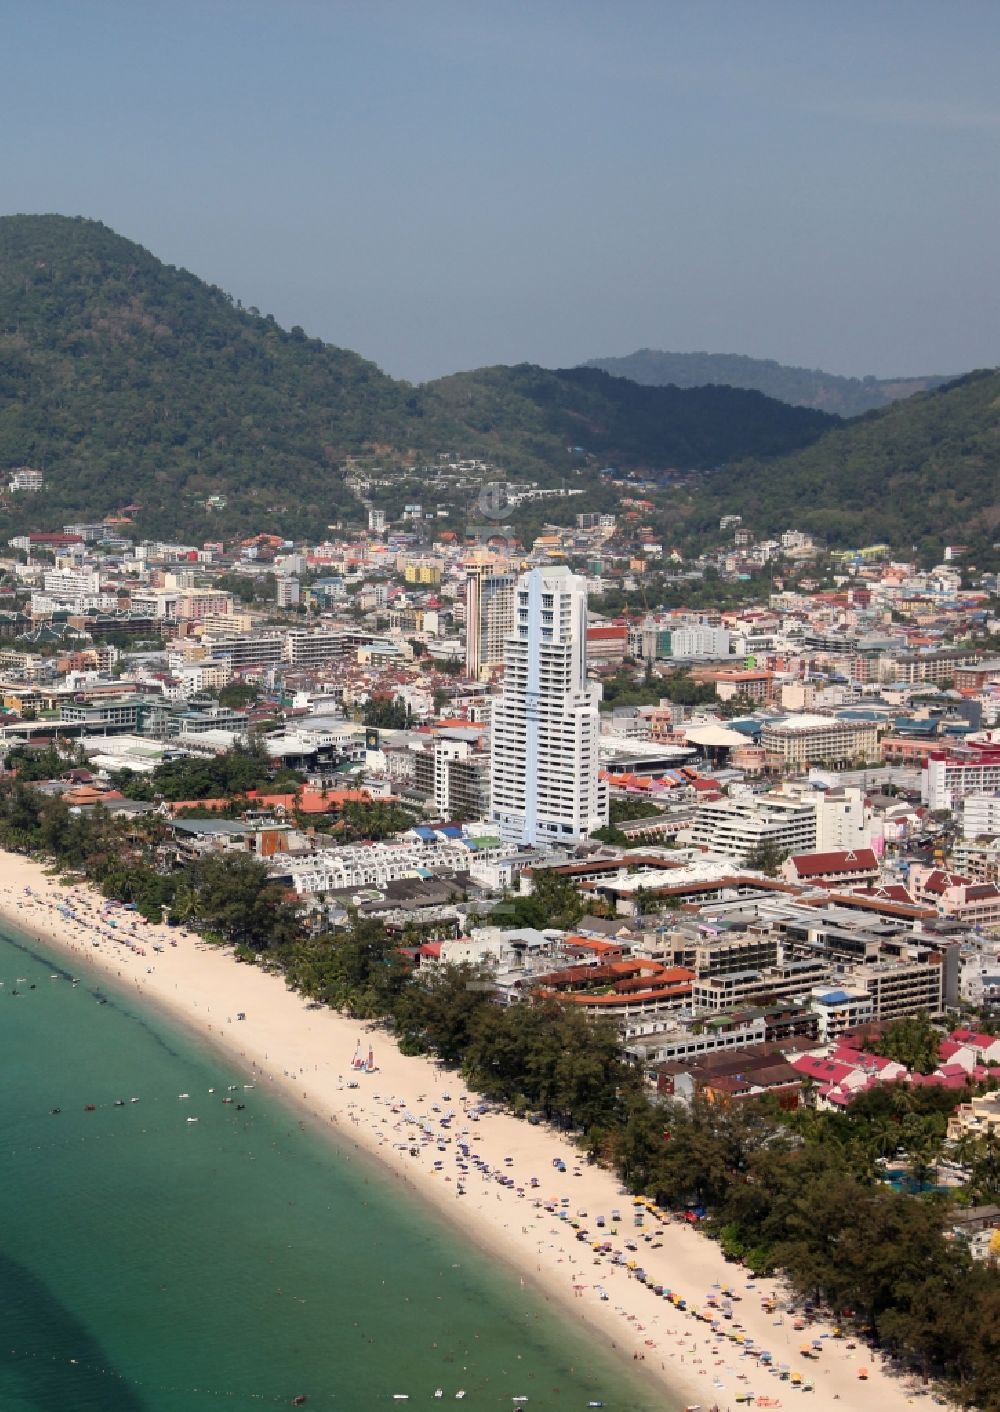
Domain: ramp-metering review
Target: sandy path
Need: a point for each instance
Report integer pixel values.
(420, 1121)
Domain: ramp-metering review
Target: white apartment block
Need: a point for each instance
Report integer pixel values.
(806, 821)
(981, 815)
(72, 583)
(840, 1009)
(286, 591)
(546, 722)
(26, 478)
(949, 776)
(156, 603)
(249, 652)
(375, 865)
(700, 640)
(194, 677)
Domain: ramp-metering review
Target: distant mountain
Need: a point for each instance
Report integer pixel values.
(800, 387)
(127, 380)
(924, 472)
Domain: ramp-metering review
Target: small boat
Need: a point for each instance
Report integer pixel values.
(90, 1107)
(439, 1392)
(119, 1103)
(133, 1100)
(183, 1095)
(190, 1120)
(55, 1110)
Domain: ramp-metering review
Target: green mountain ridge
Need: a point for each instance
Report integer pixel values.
(125, 380)
(800, 387)
(924, 472)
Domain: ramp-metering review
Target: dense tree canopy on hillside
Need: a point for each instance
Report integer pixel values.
(927, 469)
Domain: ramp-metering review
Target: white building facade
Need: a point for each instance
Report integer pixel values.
(544, 746)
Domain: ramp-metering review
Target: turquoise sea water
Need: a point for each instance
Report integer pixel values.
(148, 1264)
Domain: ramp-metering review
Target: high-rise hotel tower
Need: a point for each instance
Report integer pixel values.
(489, 617)
(545, 726)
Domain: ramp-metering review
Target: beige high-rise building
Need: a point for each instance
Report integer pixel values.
(489, 617)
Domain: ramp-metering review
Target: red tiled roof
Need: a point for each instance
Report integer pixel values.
(974, 1039)
(889, 892)
(810, 865)
(939, 881)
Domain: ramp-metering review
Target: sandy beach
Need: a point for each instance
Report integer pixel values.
(490, 1174)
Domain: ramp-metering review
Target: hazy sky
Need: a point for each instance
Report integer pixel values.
(445, 183)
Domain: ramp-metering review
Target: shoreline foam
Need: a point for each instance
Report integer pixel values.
(304, 1056)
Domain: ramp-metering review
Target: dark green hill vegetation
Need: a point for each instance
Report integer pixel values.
(922, 472)
(801, 387)
(614, 419)
(124, 378)
(127, 380)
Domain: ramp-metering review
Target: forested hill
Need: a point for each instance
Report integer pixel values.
(922, 472)
(800, 387)
(126, 380)
(543, 412)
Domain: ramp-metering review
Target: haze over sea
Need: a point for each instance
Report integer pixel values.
(149, 1264)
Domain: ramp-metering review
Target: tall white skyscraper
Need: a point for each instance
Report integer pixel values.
(546, 722)
(489, 617)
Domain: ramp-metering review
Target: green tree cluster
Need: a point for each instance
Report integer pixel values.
(225, 776)
(387, 713)
(374, 821)
(912, 1040)
(552, 902)
(235, 898)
